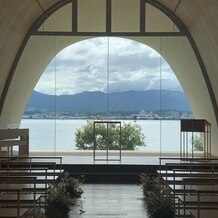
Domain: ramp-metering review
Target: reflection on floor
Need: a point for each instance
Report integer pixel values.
(115, 201)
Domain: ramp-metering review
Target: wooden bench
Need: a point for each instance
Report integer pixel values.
(210, 167)
(20, 161)
(14, 137)
(12, 212)
(32, 171)
(163, 160)
(194, 182)
(192, 187)
(19, 181)
(206, 201)
(28, 192)
(174, 174)
(188, 164)
(31, 175)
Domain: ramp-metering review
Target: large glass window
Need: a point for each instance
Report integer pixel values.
(108, 78)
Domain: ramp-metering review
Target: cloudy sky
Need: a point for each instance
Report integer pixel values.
(85, 66)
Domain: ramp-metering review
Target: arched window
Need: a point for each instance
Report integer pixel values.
(146, 22)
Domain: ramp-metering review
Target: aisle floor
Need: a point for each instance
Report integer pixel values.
(110, 200)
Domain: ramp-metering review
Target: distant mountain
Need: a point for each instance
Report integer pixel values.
(97, 101)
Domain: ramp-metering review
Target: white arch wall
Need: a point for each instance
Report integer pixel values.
(16, 17)
(41, 50)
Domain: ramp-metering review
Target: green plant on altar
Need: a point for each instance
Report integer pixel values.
(64, 195)
(131, 136)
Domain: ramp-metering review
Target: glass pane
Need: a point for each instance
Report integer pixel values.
(108, 78)
(81, 86)
(134, 93)
(174, 106)
(40, 110)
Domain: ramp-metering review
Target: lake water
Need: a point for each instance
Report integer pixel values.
(59, 135)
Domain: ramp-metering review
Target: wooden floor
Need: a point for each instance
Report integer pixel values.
(115, 201)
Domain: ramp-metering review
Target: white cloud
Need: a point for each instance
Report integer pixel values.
(83, 67)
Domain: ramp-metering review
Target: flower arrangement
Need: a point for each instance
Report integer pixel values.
(64, 195)
(72, 185)
(149, 183)
(158, 197)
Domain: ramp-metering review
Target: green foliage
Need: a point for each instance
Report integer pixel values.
(148, 183)
(63, 195)
(197, 144)
(61, 203)
(72, 185)
(131, 136)
(160, 205)
(158, 198)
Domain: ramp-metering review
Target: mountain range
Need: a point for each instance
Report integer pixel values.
(117, 101)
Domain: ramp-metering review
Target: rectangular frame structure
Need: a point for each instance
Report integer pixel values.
(107, 144)
(195, 125)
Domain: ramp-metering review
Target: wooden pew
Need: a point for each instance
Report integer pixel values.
(19, 173)
(42, 161)
(209, 212)
(30, 192)
(12, 212)
(32, 171)
(15, 137)
(190, 178)
(32, 165)
(19, 181)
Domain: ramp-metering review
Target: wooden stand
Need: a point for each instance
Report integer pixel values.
(107, 123)
(189, 127)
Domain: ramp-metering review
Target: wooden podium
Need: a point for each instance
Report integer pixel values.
(188, 128)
